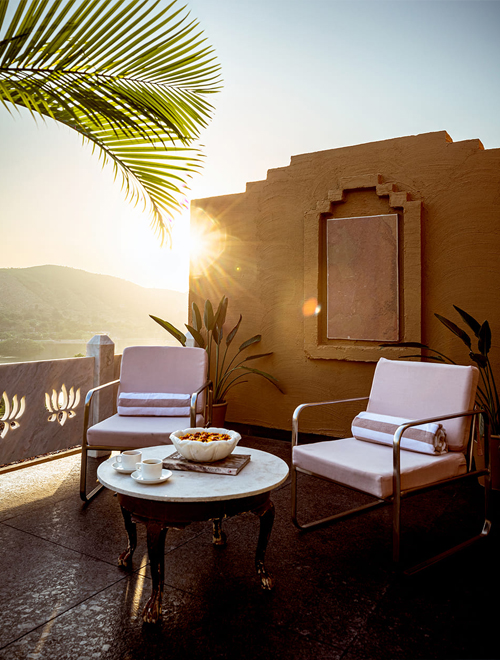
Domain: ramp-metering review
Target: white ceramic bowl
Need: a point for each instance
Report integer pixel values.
(205, 452)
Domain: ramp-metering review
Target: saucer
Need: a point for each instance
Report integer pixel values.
(119, 468)
(137, 476)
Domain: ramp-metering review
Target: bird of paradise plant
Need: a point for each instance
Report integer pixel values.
(225, 372)
(487, 393)
(130, 76)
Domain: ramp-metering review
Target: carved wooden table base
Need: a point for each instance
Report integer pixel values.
(159, 516)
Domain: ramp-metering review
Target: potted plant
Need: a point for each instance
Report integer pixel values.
(487, 393)
(224, 371)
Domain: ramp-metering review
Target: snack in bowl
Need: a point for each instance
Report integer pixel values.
(205, 445)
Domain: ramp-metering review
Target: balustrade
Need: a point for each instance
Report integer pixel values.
(41, 405)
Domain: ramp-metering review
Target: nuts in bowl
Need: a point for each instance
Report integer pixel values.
(205, 445)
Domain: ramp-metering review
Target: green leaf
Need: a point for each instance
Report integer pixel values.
(217, 334)
(180, 336)
(479, 359)
(484, 339)
(196, 320)
(255, 357)
(265, 375)
(455, 329)
(208, 317)
(436, 358)
(198, 337)
(220, 316)
(405, 344)
(249, 342)
(133, 77)
(474, 325)
(233, 332)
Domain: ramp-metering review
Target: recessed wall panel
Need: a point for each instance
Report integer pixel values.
(362, 278)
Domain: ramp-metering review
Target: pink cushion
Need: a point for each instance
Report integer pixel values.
(175, 369)
(418, 390)
(368, 467)
(134, 432)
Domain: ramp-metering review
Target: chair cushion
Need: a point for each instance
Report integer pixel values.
(419, 390)
(424, 438)
(368, 466)
(154, 403)
(134, 432)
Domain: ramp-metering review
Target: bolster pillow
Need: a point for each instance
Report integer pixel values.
(154, 404)
(424, 438)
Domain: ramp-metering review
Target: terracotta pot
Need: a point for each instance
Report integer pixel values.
(219, 414)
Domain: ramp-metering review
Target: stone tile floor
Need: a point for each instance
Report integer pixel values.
(337, 594)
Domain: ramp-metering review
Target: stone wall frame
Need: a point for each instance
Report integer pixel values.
(316, 345)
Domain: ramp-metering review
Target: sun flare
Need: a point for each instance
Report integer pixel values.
(207, 242)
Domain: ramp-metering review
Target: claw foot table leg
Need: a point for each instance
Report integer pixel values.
(266, 515)
(125, 559)
(156, 534)
(219, 537)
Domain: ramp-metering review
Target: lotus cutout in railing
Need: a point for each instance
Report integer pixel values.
(11, 413)
(61, 404)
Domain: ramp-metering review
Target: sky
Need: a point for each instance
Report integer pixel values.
(299, 76)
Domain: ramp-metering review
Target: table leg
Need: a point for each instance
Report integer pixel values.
(218, 537)
(156, 533)
(266, 515)
(125, 559)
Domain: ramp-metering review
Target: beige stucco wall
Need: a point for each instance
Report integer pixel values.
(264, 269)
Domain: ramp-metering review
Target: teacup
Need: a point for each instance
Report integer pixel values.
(150, 468)
(129, 458)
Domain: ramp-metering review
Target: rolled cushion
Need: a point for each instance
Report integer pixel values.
(154, 404)
(424, 438)
(368, 466)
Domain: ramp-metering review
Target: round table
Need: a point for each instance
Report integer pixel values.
(193, 496)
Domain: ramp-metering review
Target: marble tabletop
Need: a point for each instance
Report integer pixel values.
(263, 473)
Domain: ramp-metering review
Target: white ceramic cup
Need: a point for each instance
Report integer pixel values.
(129, 458)
(150, 468)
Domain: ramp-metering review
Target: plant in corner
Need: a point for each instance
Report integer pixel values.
(225, 372)
(487, 393)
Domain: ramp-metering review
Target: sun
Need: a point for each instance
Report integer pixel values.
(207, 242)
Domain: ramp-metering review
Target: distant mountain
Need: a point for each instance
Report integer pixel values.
(60, 303)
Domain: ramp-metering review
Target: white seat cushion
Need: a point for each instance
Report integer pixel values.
(368, 467)
(134, 432)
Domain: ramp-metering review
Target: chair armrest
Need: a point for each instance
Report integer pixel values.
(88, 401)
(194, 401)
(398, 435)
(303, 406)
(91, 392)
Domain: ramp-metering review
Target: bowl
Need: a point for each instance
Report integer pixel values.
(205, 452)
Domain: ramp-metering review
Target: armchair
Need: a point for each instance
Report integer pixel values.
(161, 389)
(420, 393)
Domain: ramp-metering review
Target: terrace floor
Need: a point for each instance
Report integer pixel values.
(337, 594)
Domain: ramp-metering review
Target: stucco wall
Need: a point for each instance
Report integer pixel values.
(454, 260)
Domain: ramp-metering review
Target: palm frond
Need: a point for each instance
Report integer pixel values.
(131, 76)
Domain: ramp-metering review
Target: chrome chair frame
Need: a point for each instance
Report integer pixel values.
(86, 417)
(398, 494)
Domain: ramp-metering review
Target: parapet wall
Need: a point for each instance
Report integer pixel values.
(279, 266)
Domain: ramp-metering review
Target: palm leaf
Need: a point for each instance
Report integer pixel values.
(132, 77)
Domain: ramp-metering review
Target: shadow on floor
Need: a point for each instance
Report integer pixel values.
(337, 594)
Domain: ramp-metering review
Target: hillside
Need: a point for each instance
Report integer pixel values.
(61, 303)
